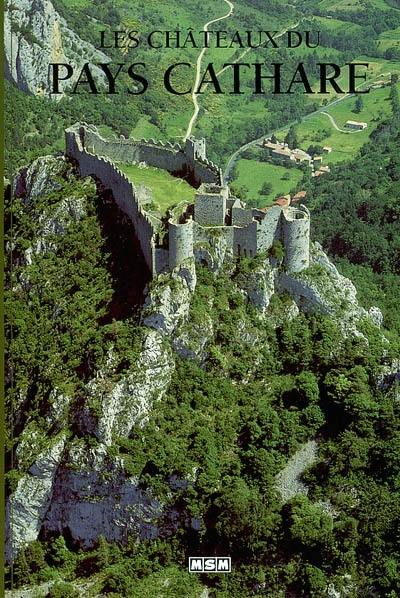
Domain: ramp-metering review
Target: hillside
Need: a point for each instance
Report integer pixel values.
(188, 376)
(356, 217)
(228, 120)
(210, 412)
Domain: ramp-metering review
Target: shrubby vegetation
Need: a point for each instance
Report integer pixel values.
(67, 304)
(356, 216)
(227, 427)
(229, 422)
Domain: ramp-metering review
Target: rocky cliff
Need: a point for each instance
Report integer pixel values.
(35, 35)
(69, 477)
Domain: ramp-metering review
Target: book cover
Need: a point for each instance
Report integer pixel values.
(201, 214)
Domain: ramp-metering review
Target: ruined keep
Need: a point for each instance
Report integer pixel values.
(217, 223)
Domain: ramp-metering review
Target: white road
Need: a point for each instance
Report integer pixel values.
(198, 70)
(322, 110)
(335, 126)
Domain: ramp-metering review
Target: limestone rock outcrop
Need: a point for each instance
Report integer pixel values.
(35, 35)
(322, 289)
(30, 501)
(93, 496)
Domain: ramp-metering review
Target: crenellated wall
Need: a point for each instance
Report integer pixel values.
(189, 161)
(221, 225)
(123, 191)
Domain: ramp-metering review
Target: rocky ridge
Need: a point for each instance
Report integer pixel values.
(66, 484)
(35, 35)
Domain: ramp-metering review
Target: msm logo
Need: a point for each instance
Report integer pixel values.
(210, 564)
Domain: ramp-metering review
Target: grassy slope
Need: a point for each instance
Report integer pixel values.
(252, 175)
(389, 38)
(167, 190)
(318, 128)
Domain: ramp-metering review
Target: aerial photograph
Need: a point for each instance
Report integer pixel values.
(201, 289)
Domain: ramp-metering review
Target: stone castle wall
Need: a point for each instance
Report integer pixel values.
(270, 229)
(241, 216)
(123, 191)
(210, 209)
(245, 240)
(188, 161)
(207, 237)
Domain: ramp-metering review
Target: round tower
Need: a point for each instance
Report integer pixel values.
(180, 242)
(296, 238)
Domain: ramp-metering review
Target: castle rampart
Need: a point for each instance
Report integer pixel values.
(189, 161)
(221, 223)
(123, 191)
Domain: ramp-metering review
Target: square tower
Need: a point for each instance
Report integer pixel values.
(210, 205)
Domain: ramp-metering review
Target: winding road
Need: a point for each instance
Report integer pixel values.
(234, 157)
(322, 110)
(333, 122)
(198, 70)
(200, 58)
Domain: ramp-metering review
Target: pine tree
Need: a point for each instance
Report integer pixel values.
(359, 104)
(291, 138)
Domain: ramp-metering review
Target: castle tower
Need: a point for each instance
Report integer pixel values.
(296, 238)
(180, 242)
(195, 149)
(210, 205)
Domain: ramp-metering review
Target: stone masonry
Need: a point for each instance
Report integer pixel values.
(216, 219)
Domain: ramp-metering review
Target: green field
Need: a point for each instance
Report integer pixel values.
(318, 129)
(389, 39)
(144, 129)
(251, 175)
(377, 69)
(349, 5)
(167, 190)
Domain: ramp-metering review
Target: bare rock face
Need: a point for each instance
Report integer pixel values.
(119, 407)
(28, 504)
(38, 178)
(93, 496)
(288, 481)
(259, 286)
(167, 305)
(322, 289)
(35, 35)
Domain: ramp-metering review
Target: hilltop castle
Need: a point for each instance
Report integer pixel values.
(216, 224)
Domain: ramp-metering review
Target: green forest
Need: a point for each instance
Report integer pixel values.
(356, 217)
(232, 422)
(263, 386)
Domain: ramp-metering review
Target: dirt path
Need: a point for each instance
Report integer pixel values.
(322, 110)
(198, 70)
(199, 59)
(338, 128)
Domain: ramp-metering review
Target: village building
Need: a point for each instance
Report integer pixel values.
(299, 196)
(282, 153)
(355, 125)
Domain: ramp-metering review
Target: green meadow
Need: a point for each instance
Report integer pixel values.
(318, 130)
(388, 39)
(167, 190)
(250, 175)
